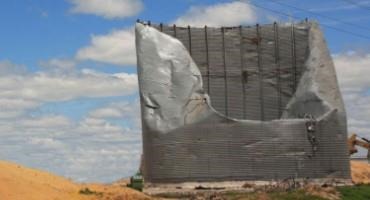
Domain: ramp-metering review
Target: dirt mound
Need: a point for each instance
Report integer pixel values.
(19, 183)
(360, 172)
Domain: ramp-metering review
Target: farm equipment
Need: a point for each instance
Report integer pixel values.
(136, 182)
(354, 141)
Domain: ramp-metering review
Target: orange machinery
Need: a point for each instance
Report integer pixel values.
(354, 141)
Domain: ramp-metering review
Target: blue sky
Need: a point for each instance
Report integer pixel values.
(68, 86)
(41, 29)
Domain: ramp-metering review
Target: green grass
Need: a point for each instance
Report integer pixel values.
(239, 196)
(357, 192)
(294, 195)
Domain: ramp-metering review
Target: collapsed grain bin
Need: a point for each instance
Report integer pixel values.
(239, 104)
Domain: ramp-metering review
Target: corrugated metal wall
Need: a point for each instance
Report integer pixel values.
(249, 72)
(224, 150)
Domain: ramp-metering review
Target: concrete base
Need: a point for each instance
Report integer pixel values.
(192, 188)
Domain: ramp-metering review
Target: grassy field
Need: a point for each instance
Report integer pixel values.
(358, 192)
(294, 195)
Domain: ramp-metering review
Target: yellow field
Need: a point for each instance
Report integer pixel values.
(20, 183)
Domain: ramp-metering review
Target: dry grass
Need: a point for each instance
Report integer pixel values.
(360, 172)
(20, 183)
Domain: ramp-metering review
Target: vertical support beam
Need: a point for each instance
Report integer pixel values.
(294, 59)
(174, 30)
(189, 38)
(242, 63)
(260, 72)
(278, 70)
(225, 72)
(207, 59)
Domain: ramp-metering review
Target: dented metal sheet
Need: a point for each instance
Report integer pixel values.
(241, 103)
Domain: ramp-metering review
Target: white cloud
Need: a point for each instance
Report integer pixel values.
(98, 126)
(107, 162)
(109, 9)
(45, 122)
(48, 143)
(22, 91)
(46, 87)
(11, 114)
(117, 110)
(11, 108)
(8, 104)
(127, 111)
(7, 67)
(97, 121)
(353, 75)
(222, 14)
(108, 112)
(117, 47)
(58, 64)
(353, 70)
(91, 149)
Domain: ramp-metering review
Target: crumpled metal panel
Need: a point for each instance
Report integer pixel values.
(249, 72)
(246, 122)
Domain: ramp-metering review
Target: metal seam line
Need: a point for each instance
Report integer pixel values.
(277, 63)
(224, 62)
(207, 58)
(242, 70)
(260, 71)
(174, 30)
(189, 35)
(294, 59)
